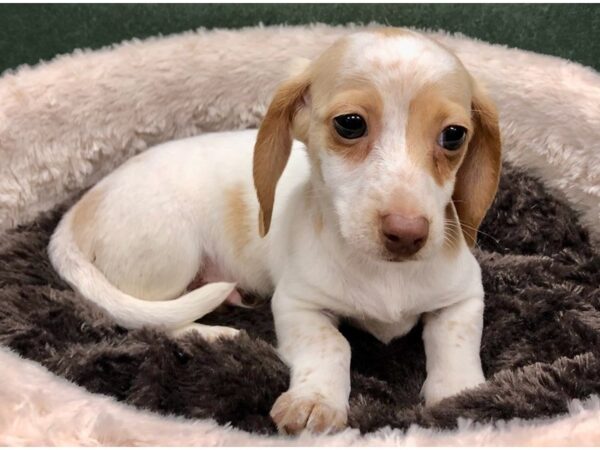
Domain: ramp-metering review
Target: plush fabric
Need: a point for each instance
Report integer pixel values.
(41, 409)
(65, 124)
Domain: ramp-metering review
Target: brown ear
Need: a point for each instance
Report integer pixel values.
(478, 176)
(274, 143)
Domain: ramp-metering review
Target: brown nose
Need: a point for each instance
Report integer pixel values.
(404, 236)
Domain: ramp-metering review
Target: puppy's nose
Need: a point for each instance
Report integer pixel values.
(402, 235)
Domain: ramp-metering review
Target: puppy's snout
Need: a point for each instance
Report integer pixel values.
(402, 235)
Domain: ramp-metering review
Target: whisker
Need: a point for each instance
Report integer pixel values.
(468, 227)
(455, 226)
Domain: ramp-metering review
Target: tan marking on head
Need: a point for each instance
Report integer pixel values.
(363, 99)
(289, 115)
(335, 92)
(83, 221)
(237, 220)
(433, 108)
(326, 70)
(325, 78)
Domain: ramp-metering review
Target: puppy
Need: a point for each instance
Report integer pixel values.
(395, 162)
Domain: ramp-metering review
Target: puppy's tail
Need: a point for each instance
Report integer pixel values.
(130, 312)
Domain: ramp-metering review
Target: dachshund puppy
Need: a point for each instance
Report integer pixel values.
(393, 157)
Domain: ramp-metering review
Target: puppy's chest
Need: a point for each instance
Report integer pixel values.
(393, 295)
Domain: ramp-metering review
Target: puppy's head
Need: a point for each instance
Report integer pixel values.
(403, 142)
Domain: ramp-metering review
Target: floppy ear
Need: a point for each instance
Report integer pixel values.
(478, 176)
(274, 143)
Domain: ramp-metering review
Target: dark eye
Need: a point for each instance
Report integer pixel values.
(452, 137)
(350, 126)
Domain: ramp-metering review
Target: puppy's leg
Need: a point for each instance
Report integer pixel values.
(452, 338)
(319, 359)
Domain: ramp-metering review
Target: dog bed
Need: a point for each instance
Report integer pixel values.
(65, 124)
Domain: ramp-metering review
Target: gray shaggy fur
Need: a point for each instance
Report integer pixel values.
(541, 340)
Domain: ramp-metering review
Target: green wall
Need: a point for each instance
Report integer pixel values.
(29, 33)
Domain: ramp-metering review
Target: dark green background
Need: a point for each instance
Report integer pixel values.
(29, 33)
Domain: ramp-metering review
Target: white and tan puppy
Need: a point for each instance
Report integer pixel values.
(396, 160)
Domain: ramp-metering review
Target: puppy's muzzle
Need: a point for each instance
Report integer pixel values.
(404, 236)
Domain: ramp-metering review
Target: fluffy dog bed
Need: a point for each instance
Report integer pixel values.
(65, 124)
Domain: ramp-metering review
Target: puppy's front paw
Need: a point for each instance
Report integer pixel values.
(293, 413)
(437, 388)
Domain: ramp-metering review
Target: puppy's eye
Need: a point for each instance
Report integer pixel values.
(350, 126)
(452, 137)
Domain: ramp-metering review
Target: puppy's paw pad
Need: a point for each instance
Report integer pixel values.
(294, 413)
(208, 332)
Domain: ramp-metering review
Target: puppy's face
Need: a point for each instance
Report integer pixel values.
(389, 119)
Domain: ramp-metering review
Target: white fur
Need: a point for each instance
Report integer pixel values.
(414, 53)
(161, 220)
